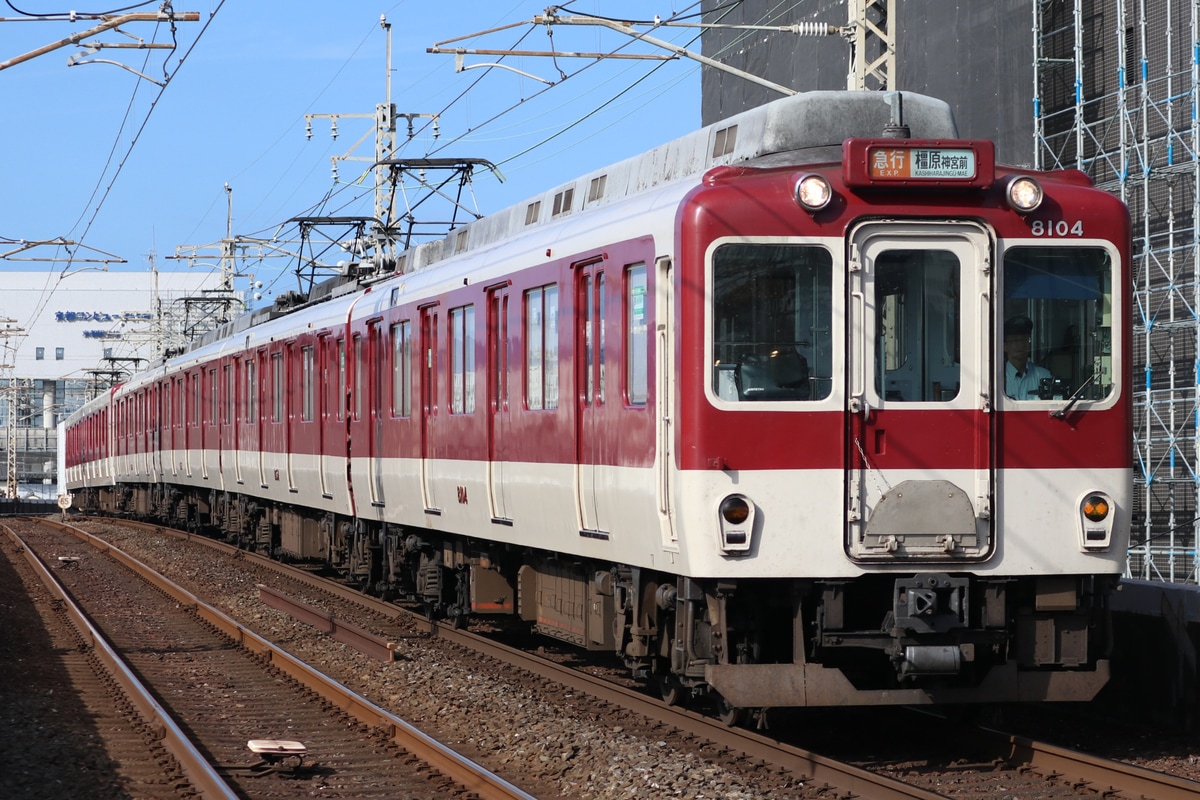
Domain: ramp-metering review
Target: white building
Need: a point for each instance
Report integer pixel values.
(71, 334)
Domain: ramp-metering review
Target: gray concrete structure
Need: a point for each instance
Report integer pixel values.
(976, 56)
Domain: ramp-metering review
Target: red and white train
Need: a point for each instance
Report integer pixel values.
(818, 405)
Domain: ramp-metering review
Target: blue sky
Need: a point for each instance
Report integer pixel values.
(234, 112)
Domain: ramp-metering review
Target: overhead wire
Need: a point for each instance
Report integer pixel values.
(47, 293)
(524, 100)
(76, 12)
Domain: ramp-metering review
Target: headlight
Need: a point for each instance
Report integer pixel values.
(736, 522)
(735, 509)
(1024, 194)
(813, 192)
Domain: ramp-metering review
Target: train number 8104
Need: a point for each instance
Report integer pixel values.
(1056, 227)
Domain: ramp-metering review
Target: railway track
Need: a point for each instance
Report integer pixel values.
(985, 764)
(67, 728)
(268, 724)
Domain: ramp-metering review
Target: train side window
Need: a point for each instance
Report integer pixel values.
(636, 339)
(230, 385)
(541, 348)
(308, 389)
(1057, 323)
(462, 360)
(214, 398)
(771, 331)
(358, 376)
(402, 369)
(341, 379)
(251, 393)
(277, 387)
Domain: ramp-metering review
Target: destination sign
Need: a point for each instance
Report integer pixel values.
(920, 163)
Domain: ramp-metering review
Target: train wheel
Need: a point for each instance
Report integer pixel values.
(730, 715)
(674, 693)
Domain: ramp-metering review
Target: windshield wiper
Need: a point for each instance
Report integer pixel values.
(1073, 399)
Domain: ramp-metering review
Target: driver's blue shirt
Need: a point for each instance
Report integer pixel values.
(1025, 385)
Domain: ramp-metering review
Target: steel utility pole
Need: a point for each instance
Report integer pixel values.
(385, 147)
(873, 44)
(8, 374)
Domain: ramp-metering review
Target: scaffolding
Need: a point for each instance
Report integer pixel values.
(1116, 86)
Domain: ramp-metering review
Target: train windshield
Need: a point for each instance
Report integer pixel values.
(772, 332)
(1057, 317)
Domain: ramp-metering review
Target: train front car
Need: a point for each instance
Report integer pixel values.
(903, 436)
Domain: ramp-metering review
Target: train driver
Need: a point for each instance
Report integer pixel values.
(1022, 380)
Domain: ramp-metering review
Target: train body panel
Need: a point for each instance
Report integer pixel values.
(787, 410)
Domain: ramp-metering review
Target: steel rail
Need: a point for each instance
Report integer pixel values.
(1096, 773)
(467, 773)
(801, 762)
(200, 773)
(1048, 760)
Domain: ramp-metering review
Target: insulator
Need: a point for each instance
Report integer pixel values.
(812, 29)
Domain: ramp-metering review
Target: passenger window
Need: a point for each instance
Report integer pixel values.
(636, 339)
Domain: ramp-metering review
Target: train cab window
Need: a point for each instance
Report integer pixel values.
(917, 316)
(462, 360)
(636, 339)
(541, 348)
(402, 369)
(771, 332)
(1057, 323)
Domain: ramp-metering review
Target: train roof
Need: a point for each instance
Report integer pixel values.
(796, 129)
(783, 130)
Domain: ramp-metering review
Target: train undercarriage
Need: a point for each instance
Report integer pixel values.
(923, 638)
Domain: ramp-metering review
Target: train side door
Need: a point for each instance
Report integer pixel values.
(375, 414)
(589, 389)
(429, 398)
(665, 363)
(264, 418)
(329, 382)
(497, 398)
(919, 392)
(209, 436)
(248, 412)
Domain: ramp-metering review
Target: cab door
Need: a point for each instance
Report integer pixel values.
(498, 416)
(919, 482)
(590, 412)
(429, 404)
